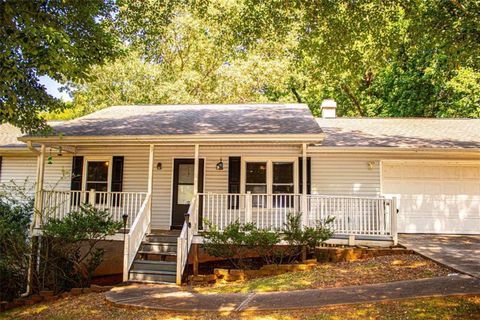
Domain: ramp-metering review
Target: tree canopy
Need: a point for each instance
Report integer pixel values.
(376, 58)
(60, 39)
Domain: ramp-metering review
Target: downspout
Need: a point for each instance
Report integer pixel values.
(28, 289)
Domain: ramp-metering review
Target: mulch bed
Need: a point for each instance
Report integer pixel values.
(340, 274)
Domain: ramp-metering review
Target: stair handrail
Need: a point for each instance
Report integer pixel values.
(136, 234)
(184, 241)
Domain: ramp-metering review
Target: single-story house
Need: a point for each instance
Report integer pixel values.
(153, 163)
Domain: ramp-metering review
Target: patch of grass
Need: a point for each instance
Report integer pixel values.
(327, 275)
(93, 306)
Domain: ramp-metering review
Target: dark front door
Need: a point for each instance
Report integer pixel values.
(183, 172)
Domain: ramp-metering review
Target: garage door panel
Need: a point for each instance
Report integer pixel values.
(427, 225)
(439, 197)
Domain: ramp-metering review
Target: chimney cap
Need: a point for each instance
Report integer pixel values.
(329, 103)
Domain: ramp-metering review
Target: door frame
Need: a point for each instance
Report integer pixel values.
(172, 186)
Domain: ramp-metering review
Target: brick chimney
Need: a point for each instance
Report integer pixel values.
(329, 107)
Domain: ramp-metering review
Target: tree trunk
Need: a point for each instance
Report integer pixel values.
(354, 99)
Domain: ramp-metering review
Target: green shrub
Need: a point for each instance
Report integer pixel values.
(16, 209)
(300, 238)
(232, 243)
(236, 239)
(69, 254)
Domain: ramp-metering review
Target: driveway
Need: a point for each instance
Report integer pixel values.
(460, 252)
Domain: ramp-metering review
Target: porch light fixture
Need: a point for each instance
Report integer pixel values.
(371, 164)
(60, 151)
(219, 165)
(125, 219)
(159, 166)
(50, 158)
(187, 219)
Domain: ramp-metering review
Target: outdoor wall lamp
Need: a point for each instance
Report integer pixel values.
(159, 166)
(219, 165)
(371, 164)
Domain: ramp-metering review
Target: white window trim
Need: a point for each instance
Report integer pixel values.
(94, 159)
(243, 178)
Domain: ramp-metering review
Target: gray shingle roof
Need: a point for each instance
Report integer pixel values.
(401, 132)
(153, 120)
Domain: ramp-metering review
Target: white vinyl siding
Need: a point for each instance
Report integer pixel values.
(337, 174)
(135, 173)
(19, 170)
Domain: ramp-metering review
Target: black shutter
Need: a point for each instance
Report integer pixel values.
(309, 174)
(117, 174)
(1, 168)
(117, 179)
(77, 171)
(234, 165)
(76, 182)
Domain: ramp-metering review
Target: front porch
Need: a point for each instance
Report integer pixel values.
(266, 186)
(356, 219)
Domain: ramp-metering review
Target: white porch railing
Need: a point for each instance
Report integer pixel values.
(366, 216)
(184, 241)
(136, 234)
(58, 204)
(354, 215)
(267, 211)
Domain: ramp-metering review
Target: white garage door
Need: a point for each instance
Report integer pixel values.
(434, 197)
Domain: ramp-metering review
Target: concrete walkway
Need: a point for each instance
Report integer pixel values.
(170, 298)
(459, 252)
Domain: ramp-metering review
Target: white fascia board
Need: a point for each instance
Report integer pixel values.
(261, 138)
(320, 149)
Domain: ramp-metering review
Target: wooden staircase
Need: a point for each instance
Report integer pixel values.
(156, 260)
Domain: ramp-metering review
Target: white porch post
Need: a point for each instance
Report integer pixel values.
(150, 181)
(39, 187)
(196, 170)
(394, 215)
(304, 186)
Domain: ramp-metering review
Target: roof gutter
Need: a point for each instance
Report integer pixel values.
(321, 149)
(261, 138)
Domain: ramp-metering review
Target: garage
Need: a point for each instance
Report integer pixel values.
(434, 196)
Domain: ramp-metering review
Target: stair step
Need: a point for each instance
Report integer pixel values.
(153, 265)
(158, 247)
(156, 253)
(152, 276)
(161, 239)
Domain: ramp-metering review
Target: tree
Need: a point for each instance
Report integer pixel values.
(384, 58)
(191, 61)
(61, 39)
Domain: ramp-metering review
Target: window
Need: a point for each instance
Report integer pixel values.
(185, 183)
(256, 180)
(97, 177)
(283, 177)
(270, 177)
(282, 183)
